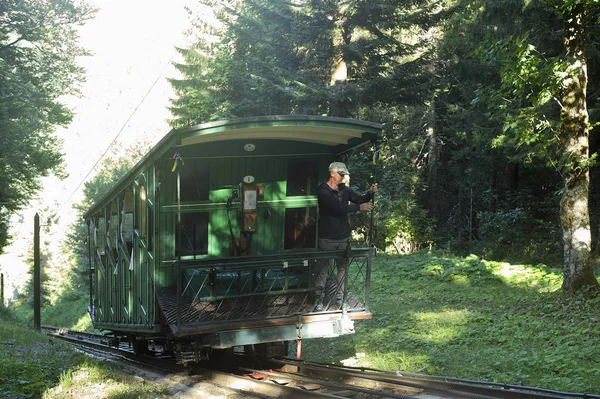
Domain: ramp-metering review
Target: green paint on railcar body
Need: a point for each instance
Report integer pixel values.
(178, 205)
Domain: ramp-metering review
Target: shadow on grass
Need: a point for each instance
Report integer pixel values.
(475, 319)
(35, 366)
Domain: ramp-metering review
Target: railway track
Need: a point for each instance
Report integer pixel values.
(291, 378)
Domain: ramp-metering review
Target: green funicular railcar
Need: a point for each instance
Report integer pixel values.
(209, 242)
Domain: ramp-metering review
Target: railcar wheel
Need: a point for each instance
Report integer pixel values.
(262, 353)
(140, 346)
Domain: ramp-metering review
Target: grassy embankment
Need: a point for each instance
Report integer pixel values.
(474, 319)
(459, 317)
(34, 366)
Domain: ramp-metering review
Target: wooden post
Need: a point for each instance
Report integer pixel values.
(36, 274)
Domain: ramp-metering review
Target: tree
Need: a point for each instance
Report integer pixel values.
(362, 59)
(543, 102)
(578, 269)
(470, 133)
(38, 50)
(77, 240)
(306, 57)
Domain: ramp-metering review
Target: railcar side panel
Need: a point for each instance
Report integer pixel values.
(175, 252)
(121, 239)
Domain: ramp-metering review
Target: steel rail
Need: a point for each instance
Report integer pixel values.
(435, 383)
(303, 379)
(348, 388)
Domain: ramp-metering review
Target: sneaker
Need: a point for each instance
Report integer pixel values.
(318, 307)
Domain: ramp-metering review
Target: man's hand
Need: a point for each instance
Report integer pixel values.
(374, 188)
(366, 206)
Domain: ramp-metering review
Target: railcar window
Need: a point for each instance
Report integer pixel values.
(100, 235)
(300, 228)
(100, 240)
(194, 180)
(113, 228)
(142, 210)
(150, 229)
(192, 236)
(127, 220)
(302, 175)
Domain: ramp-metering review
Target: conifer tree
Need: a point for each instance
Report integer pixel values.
(38, 47)
(302, 57)
(541, 102)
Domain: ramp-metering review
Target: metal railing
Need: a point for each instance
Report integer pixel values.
(238, 289)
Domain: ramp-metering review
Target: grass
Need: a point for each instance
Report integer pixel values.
(69, 313)
(474, 319)
(97, 381)
(33, 366)
(435, 314)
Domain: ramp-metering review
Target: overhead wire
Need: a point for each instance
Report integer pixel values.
(119, 132)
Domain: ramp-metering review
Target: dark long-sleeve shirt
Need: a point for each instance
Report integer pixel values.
(334, 207)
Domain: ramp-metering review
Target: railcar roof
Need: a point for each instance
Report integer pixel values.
(340, 134)
(330, 131)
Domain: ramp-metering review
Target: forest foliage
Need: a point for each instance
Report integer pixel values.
(470, 91)
(476, 156)
(38, 51)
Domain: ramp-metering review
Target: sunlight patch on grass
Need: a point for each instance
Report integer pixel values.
(83, 324)
(461, 280)
(397, 360)
(507, 271)
(441, 327)
(539, 277)
(354, 361)
(99, 381)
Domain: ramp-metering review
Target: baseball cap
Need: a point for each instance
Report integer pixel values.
(339, 167)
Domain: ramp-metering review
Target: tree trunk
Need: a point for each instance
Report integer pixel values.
(433, 146)
(433, 161)
(511, 177)
(574, 213)
(339, 70)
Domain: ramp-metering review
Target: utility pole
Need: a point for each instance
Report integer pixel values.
(37, 275)
(2, 276)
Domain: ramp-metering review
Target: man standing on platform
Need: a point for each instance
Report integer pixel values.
(336, 201)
